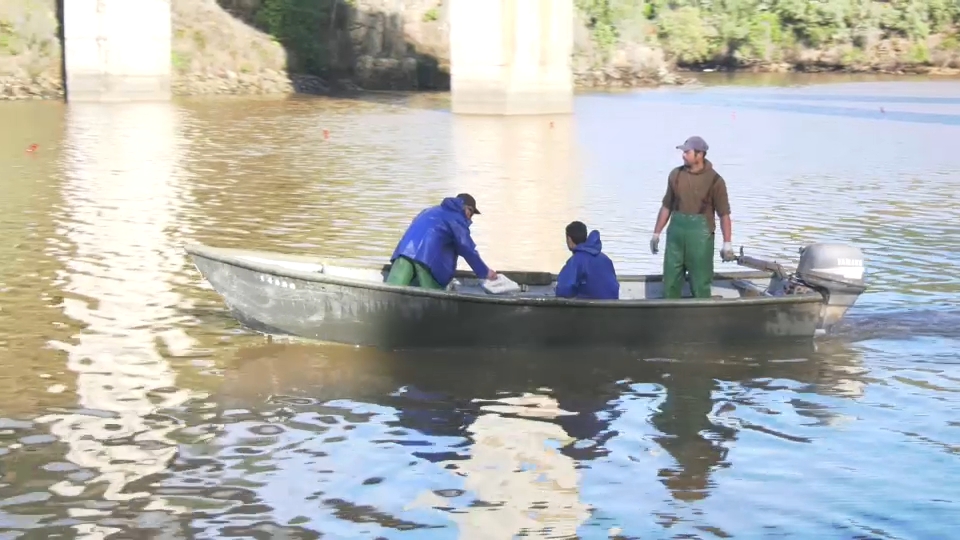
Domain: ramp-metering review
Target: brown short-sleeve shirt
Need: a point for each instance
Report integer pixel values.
(692, 189)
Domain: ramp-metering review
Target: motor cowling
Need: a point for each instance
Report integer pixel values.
(836, 271)
(819, 261)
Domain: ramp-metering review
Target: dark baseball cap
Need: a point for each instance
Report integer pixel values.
(468, 200)
(695, 143)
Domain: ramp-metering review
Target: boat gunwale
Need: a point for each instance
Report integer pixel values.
(218, 255)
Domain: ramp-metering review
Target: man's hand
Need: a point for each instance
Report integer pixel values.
(726, 252)
(491, 275)
(654, 243)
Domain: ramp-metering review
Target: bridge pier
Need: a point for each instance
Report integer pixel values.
(511, 57)
(117, 50)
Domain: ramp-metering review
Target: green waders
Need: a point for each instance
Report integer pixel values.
(404, 270)
(689, 248)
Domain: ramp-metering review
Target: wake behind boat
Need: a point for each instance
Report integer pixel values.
(316, 298)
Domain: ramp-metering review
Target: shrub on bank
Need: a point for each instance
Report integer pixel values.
(747, 33)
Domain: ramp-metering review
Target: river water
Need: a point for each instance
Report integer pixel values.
(131, 404)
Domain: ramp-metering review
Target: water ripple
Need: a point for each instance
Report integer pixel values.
(134, 402)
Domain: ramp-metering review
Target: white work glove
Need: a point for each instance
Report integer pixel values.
(654, 243)
(726, 252)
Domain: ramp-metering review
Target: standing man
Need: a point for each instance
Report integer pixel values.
(426, 255)
(695, 191)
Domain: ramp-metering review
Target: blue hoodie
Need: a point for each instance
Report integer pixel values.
(588, 273)
(436, 237)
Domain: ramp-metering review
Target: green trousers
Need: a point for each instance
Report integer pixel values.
(405, 271)
(689, 250)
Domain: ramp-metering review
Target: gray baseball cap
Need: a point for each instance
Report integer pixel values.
(695, 143)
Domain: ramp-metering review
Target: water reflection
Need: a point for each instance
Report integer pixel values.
(495, 444)
(121, 198)
(525, 174)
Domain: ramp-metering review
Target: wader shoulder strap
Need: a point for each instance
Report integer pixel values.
(707, 199)
(674, 180)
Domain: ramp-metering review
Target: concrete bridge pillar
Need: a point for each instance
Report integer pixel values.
(511, 57)
(117, 50)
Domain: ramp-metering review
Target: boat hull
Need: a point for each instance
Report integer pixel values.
(370, 314)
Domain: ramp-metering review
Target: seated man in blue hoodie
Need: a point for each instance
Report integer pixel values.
(589, 273)
(426, 255)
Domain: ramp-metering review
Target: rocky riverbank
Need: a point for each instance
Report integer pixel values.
(43, 87)
(274, 47)
(274, 82)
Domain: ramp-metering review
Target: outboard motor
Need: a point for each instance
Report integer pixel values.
(835, 271)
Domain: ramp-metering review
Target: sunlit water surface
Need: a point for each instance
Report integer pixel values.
(130, 400)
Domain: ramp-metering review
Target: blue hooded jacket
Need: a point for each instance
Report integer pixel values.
(436, 237)
(589, 273)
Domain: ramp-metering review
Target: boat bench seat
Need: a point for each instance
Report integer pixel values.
(364, 274)
(289, 265)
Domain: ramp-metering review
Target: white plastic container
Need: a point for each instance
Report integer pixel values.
(501, 285)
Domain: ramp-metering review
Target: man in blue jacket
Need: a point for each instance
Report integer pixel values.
(426, 255)
(589, 273)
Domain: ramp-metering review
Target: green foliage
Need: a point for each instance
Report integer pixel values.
(9, 41)
(745, 31)
(950, 43)
(179, 62)
(431, 15)
(613, 21)
(301, 26)
(685, 34)
(600, 21)
(919, 53)
(764, 39)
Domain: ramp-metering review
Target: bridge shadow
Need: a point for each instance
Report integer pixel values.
(334, 48)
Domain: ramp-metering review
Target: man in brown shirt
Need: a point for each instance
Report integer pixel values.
(695, 191)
